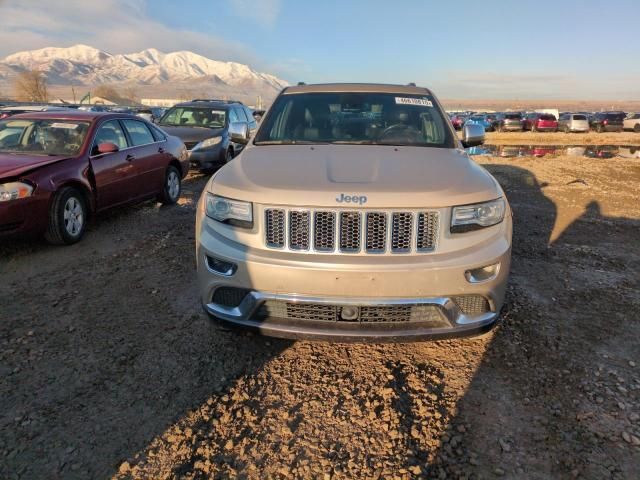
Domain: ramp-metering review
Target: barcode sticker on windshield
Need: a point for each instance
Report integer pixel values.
(421, 102)
(70, 126)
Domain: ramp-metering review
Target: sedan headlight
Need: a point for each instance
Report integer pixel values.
(226, 210)
(15, 190)
(479, 215)
(209, 142)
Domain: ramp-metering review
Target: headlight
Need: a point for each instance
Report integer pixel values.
(14, 190)
(209, 142)
(230, 211)
(479, 215)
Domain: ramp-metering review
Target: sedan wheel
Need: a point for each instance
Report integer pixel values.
(73, 216)
(172, 187)
(67, 217)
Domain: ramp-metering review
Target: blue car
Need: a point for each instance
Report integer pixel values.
(480, 120)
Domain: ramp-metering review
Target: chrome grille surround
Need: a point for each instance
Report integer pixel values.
(427, 232)
(299, 230)
(274, 226)
(324, 239)
(350, 231)
(356, 232)
(376, 238)
(402, 232)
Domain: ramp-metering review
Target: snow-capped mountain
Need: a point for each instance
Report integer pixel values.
(86, 65)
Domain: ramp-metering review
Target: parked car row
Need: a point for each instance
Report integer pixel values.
(546, 122)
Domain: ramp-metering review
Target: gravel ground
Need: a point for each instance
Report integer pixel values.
(110, 369)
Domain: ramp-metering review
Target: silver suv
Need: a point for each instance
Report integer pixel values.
(355, 214)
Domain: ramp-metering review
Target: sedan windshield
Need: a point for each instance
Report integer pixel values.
(357, 119)
(194, 117)
(42, 137)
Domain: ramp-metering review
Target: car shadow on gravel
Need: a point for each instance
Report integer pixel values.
(551, 395)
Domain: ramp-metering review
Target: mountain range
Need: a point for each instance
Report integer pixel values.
(88, 66)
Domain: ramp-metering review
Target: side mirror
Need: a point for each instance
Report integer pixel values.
(472, 135)
(107, 148)
(239, 132)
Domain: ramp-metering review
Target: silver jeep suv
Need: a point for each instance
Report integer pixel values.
(355, 214)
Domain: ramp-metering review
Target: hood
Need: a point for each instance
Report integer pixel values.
(389, 177)
(15, 165)
(192, 134)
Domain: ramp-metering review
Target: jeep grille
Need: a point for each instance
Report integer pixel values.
(351, 231)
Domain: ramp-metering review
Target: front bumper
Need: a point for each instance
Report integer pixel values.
(449, 322)
(208, 158)
(24, 217)
(343, 280)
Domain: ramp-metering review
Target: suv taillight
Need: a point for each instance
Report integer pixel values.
(604, 122)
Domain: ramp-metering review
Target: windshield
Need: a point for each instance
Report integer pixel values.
(194, 117)
(356, 118)
(42, 137)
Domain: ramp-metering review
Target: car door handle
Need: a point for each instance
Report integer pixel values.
(161, 150)
(130, 158)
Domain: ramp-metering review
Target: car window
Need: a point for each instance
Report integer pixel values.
(356, 118)
(194, 117)
(547, 117)
(240, 113)
(249, 115)
(579, 117)
(233, 115)
(138, 133)
(110, 132)
(158, 135)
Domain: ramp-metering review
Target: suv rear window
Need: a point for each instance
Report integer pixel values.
(579, 117)
(615, 116)
(547, 117)
(512, 116)
(356, 118)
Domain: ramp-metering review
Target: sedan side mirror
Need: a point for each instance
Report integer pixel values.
(472, 135)
(239, 132)
(107, 148)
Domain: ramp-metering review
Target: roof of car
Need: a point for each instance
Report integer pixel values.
(72, 115)
(357, 87)
(208, 103)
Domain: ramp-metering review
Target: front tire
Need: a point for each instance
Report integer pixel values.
(172, 187)
(67, 217)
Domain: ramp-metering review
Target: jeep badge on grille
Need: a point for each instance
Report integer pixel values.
(360, 199)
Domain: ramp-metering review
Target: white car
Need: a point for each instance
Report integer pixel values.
(632, 122)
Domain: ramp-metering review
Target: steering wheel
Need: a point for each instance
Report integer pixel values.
(401, 130)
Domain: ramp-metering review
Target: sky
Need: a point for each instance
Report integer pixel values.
(490, 49)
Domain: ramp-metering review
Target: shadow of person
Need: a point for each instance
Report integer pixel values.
(549, 398)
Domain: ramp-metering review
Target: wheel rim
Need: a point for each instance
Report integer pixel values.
(73, 216)
(229, 156)
(173, 185)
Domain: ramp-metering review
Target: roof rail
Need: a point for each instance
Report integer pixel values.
(216, 100)
(411, 84)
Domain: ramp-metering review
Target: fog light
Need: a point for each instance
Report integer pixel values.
(349, 313)
(482, 274)
(221, 267)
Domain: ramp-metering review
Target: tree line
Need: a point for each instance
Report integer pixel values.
(31, 86)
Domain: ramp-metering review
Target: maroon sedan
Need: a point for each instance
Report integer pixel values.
(57, 168)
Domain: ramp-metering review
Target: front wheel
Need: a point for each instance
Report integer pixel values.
(172, 187)
(67, 217)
